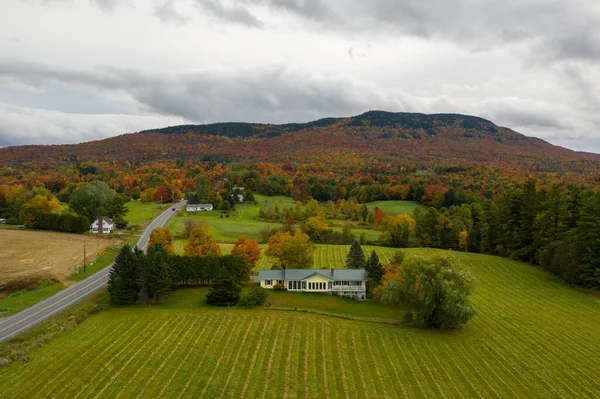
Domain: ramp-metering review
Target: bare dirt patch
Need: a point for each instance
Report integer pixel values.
(40, 255)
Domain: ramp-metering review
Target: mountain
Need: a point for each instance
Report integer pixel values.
(375, 137)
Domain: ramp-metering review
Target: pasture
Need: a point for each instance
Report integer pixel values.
(141, 213)
(39, 255)
(531, 337)
(393, 208)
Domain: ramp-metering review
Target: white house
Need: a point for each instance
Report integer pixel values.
(102, 225)
(343, 282)
(238, 192)
(199, 207)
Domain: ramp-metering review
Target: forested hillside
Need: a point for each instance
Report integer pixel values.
(492, 190)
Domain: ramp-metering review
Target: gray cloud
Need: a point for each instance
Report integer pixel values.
(563, 29)
(167, 13)
(275, 94)
(238, 13)
(21, 125)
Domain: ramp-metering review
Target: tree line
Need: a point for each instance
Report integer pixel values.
(137, 277)
(552, 226)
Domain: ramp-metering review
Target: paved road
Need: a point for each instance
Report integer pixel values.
(34, 314)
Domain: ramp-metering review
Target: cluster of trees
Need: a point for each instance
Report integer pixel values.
(137, 277)
(39, 208)
(34, 219)
(201, 245)
(552, 226)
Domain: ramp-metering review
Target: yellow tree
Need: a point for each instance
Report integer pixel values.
(294, 251)
(398, 231)
(201, 244)
(164, 236)
(247, 249)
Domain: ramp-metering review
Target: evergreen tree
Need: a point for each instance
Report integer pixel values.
(123, 278)
(374, 268)
(158, 278)
(356, 257)
(143, 295)
(587, 234)
(225, 292)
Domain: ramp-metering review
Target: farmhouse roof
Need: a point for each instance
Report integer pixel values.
(303, 274)
(203, 205)
(106, 220)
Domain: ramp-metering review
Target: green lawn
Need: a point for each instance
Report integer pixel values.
(531, 337)
(227, 229)
(141, 213)
(392, 208)
(15, 302)
(191, 298)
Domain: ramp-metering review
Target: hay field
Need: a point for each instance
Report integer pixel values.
(40, 255)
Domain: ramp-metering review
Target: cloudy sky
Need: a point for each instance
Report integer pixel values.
(78, 70)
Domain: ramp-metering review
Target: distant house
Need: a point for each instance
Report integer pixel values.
(2, 220)
(199, 207)
(102, 225)
(343, 282)
(239, 193)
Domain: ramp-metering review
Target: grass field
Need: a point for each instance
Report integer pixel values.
(391, 208)
(531, 337)
(20, 300)
(141, 213)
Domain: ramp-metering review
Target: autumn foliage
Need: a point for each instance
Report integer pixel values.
(247, 249)
(201, 244)
(163, 236)
(290, 251)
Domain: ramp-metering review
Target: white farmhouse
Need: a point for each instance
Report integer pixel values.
(102, 225)
(199, 207)
(343, 282)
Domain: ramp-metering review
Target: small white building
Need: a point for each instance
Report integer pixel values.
(238, 192)
(102, 225)
(199, 207)
(344, 282)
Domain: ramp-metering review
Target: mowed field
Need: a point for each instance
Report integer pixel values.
(392, 208)
(39, 254)
(532, 337)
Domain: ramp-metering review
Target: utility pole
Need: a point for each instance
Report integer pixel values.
(84, 258)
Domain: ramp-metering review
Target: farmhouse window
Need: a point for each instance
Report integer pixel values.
(267, 282)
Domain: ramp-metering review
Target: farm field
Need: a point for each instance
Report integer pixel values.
(41, 255)
(392, 208)
(531, 337)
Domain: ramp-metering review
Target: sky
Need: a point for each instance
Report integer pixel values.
(81, 70)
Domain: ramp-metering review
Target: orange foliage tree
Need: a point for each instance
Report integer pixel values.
(164, 236)
(247, 249)
(201, 244)
(294, 251)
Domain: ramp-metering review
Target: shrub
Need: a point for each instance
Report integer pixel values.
(278, 287)
(255, 296)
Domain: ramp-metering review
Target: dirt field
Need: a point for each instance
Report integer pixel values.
(37, 255)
